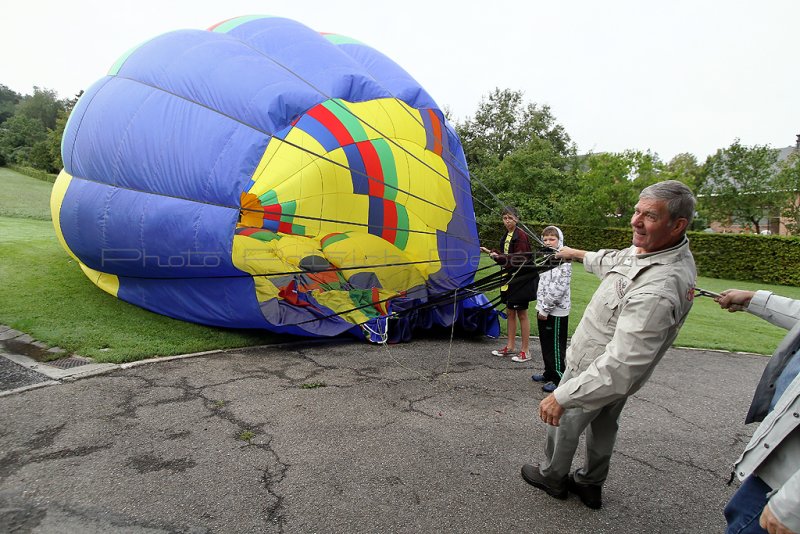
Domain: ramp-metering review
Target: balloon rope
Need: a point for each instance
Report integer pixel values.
(492, 281)
(289, 273)
(452, 332)
(253, 210)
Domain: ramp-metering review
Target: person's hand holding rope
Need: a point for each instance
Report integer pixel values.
(734, 300)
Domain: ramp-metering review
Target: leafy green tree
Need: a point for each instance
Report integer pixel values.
(503, 123)
(684, 168)
(40, 157)
(8, 102)
(25, 139)
(518, 154)
(609, 186)
(534, 178)
(52, 161)
(51, 150)
(18, 135)
(43, 105)
(740, 185)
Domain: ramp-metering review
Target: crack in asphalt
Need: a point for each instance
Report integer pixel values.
(412, 409)
(270, 479)
(274, 473)
(640, 461)
(695, 466)
(395, 480)
(26, 516)
(741, 438)
(669, 411)
(16, 460)
(148, 463)
(127, 406)
(45, 437)
(22, 518)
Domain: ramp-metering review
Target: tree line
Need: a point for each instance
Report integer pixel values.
(517, 154)
(31, 127)
(524, 157)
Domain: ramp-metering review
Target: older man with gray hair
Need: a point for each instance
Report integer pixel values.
(634, 316)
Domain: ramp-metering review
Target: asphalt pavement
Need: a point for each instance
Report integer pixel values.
(427, 436)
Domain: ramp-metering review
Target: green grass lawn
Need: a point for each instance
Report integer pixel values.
(45, 294)
(24, 197)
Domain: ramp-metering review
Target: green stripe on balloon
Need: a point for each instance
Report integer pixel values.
(341, 39)
(265, 235)
(332, 238)
(228, 25)
(388, 166)
(348, 120)
(362, 299)
(269, 198)
(401, 239)
(287, 210)
(124, 57)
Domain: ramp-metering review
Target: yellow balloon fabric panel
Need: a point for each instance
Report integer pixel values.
(349, 198)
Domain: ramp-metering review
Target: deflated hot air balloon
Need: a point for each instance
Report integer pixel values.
(263, 175)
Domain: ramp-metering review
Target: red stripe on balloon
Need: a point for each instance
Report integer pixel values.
(372, 167)
(272, 212)
(211, 28)
(376, 302)
(334, 125)
(389, 221)
(437, 132)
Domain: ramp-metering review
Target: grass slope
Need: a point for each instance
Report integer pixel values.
(46, 295)
(24, 197)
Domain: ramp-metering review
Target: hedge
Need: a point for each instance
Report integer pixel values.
(745, 257)
(34, 173)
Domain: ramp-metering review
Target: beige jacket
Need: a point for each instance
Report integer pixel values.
(631, 321)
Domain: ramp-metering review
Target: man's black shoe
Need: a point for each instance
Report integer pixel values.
(534, 477)
(590, 494)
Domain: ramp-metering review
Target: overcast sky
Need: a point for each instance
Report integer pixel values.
(668, 76)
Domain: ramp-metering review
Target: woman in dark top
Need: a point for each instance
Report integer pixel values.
(516, 294)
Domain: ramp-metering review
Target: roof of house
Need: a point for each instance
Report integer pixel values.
(784, 153)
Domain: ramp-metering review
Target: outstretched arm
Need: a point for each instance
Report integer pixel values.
(778, 310)
(567, 253)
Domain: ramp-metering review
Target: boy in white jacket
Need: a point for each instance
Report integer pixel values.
(552, 307)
